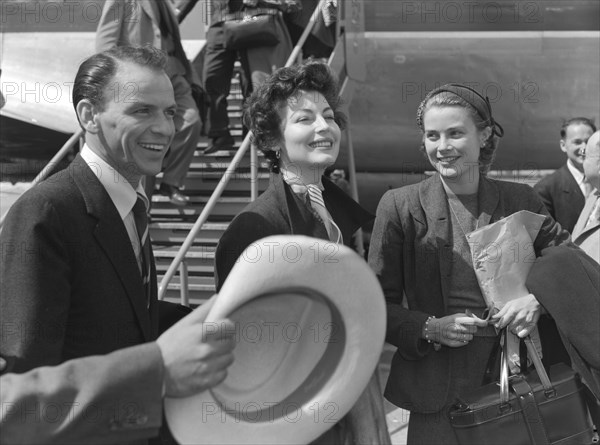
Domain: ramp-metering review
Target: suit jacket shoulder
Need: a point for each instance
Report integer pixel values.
(562, 196)
(70, 282)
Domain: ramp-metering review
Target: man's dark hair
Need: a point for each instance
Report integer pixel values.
(576, 121)
(96, 72)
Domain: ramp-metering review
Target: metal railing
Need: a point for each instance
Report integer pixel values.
(59, 156)
(179, 260)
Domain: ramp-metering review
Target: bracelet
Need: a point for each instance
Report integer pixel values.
(436, 345)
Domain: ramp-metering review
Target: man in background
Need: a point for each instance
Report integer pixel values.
(148, 22)
(564, 191)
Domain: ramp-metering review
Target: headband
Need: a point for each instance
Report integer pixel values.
(477, 101)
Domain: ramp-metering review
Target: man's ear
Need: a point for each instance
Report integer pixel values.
(563, 145)
(87, 113)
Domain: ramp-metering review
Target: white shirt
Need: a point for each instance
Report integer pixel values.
(579, 179)
(121, 194)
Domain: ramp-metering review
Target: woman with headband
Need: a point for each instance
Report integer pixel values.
(421, 255)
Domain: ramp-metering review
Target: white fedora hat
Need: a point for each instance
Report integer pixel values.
(310, 326)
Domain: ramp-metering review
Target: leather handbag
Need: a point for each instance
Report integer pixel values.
(525, 408)
(251, 29)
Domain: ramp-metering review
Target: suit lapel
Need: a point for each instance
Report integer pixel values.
(433, 201)
(570, 187)
(345, 211)
(111, 235)
(488, 200)
(299, 217)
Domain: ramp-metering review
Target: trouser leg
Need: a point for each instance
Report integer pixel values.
(188, 125)
(218, 69)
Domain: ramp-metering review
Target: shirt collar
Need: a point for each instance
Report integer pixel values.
(576, 173)
(120, 191)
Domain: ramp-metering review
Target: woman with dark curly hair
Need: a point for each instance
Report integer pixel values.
(295, 120)
(421, 255)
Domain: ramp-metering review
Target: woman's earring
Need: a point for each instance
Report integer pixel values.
(277, 154)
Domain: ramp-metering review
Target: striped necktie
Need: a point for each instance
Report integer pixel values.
(316, 201)
(140, 216)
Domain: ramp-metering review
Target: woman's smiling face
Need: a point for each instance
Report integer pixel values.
(311, 137)
(453, 142)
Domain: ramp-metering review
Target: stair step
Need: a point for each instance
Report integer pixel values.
(197, 294)
(176, 232)
(194, 269)
(200, 253)
(225, 206)
(206, 164)
(209, 182)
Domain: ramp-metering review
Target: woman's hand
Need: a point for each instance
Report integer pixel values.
(519, 315)
(453, 330)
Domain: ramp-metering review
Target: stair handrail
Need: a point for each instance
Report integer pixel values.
(212, 201)
(60, 154)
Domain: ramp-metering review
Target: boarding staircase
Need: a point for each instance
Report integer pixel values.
(223, 183)
(170, 224)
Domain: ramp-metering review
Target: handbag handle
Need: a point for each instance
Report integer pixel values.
(549, 390)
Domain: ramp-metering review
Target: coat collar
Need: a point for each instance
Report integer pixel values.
(347, 213)
(434, 202)
(111, 235)
(580, 228)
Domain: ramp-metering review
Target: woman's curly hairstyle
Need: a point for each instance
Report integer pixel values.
(487, 153)
(261, 111)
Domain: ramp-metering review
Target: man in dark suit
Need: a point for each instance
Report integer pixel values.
(145, 22)
(564, 191)
(78, 275)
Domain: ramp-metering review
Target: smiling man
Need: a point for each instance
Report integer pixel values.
(78, 276)
(564, 192)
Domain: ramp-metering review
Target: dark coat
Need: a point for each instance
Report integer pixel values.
(562, 197)
(567, 283)
(70, 283)
(411, 255)
(279, 211)
(122, 390)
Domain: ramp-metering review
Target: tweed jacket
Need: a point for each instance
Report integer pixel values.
(562, 197)
(279, 211)
(411, 254)
(588, 238)
(70, 284)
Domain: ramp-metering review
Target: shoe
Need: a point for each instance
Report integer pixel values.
(175, 196)
(224, 142)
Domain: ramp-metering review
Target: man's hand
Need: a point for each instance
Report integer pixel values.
(196, 355)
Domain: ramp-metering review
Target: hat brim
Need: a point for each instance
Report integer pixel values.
(310, 326)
